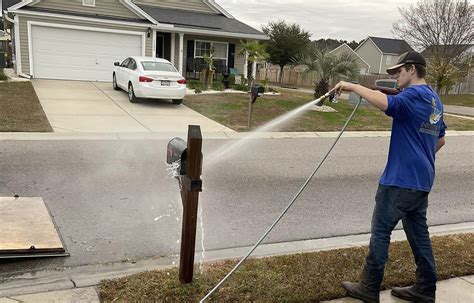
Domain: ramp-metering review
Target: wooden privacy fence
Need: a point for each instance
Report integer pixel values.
(299, 78)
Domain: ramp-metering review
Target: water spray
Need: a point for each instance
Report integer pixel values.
(277, 122)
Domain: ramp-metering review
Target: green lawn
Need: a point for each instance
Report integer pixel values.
(232, 111)
(305, 277)
(21, 110)
(460, 100)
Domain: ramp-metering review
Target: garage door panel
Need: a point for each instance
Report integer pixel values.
(75, 54)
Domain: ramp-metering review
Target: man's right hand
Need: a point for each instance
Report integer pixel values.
(343, 86)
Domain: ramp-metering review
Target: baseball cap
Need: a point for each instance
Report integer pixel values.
(411, 57)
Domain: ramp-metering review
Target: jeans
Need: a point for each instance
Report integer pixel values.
(392, 205)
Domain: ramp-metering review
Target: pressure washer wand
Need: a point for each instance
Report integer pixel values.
(289, 205)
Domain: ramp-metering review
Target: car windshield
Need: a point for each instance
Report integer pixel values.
(158, 66)
(388, 84)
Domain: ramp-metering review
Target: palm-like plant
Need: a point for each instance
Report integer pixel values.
(255, 52)
(327, 66)
(209, 59)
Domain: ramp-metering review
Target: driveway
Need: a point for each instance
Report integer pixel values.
(94, 107)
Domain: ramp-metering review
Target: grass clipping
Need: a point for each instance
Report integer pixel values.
(304, 277)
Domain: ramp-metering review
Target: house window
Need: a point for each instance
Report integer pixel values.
(88, 2)
(388, 61)
(362, 71)
(204, 48)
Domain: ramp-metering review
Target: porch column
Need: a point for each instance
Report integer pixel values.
(254, 70)
(153, 47)
(173, 47)
(246, 63)
(181, 52)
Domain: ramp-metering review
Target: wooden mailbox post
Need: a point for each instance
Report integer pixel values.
(191, 185)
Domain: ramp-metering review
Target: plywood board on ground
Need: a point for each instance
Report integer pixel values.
(26, 228)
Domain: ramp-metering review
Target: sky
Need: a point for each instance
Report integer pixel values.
(337, 19)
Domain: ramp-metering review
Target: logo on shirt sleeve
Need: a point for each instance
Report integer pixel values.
(436, 114)
(431, 127)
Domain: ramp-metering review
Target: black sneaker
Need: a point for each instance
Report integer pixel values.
(356, 290)
(411, 294)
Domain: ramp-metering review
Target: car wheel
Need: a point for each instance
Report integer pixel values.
(177, 101)
(131, 94)
(114, 83)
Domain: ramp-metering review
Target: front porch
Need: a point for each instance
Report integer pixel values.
(187, 51)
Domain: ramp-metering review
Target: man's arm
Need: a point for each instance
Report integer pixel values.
(441, 143)
(374, 97)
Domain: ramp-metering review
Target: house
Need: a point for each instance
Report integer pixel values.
(381, 53)
(452, 50)
(364, 67)
(81, 39)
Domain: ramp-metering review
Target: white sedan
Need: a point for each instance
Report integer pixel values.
(148, 77)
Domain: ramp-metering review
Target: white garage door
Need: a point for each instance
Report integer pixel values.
(72, 54)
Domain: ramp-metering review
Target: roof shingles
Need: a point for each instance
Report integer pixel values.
(391, 46)
(182, 18)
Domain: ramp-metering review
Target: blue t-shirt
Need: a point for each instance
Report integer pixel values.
(417, 126)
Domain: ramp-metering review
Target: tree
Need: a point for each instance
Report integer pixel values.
(255, 52)
(444, 28)
(285, 40)
(328, 67)
(331, 44)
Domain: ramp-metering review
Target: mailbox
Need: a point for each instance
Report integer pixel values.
(177, 152)
(256, 91)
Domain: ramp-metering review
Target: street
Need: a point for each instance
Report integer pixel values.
(114, 200)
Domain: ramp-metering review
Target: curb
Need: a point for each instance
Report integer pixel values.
(91, 275)
(207, 136)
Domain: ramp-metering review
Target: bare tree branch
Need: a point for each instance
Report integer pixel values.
(445, 28)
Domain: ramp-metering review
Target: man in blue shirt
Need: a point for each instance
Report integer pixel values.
(417, 134)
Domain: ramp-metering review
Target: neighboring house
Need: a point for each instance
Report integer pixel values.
(364, 67)
(381, 53)
(80, 39)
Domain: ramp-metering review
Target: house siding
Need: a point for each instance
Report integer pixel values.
(23, 28)
(345, 49)
(239, 60)
(369, 52)
(102, 7)
(393, 60)
(189, 5)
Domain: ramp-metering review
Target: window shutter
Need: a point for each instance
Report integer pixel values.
(190, 56)
(190, 52)
(231, 56)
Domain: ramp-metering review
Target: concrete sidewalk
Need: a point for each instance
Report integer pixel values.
(206, 135)
(459, 110)
(459, 290)
(78, 284)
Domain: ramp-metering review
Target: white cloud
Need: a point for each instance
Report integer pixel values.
(338, 19)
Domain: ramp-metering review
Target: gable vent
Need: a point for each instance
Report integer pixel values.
(88, 2)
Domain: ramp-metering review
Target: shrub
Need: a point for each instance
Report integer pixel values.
(243, 80)
(265, 84)
(242, 87)
(220, 78)
(272, 90)
(195, 84)
(197, 91)
(231, 80)
(3, 77)
(218, 85)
